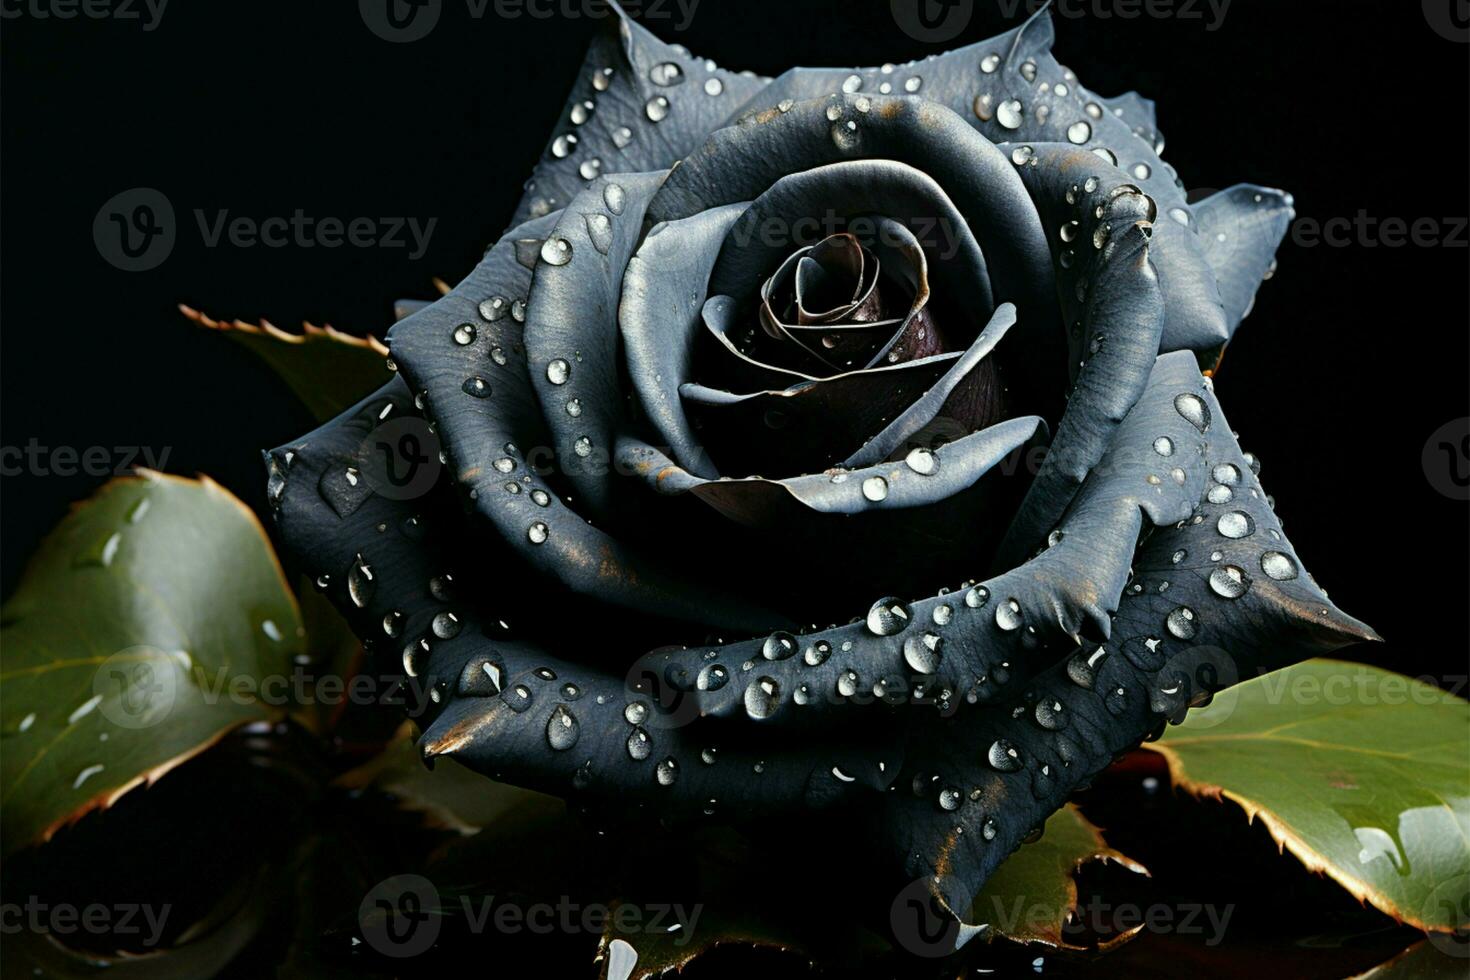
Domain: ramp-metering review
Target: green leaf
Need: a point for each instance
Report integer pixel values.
(138, 637)
(330, 371)
(1362, 774)
(452, 796)
(1031, 895)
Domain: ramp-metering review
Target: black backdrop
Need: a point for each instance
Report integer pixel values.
(1353, 357)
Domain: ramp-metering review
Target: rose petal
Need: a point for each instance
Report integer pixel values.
(620, 119)
(741, 162)
(1241, 228)
(1026, 97)
(571, 334)
(481, 436)
(990, 638)
(1242, 619)
(663, 293)
(759, 501)
(1110, 290)
(810, 426)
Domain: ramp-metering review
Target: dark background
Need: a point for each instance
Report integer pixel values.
(1352, 358)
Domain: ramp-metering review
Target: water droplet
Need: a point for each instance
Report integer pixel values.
(657, 108)
(1079, 132)
(1164, 446)
(556, 251)
(712, 677)
(571, 691)
(1278, 566)
(666, 74)
(477, 386)
(923, 652)
(1193, 409)
(713, 86)
(1021, 155)
(666, 772)
(1082, 668)
(1142, 171)
(779, 646)
(1008, 615)
(558, 372)
(817, 653)
(360, 583)
(988, 829)
(582, 447)
(977, 597)
(1050, 714)
(1229, 582)
(562, 729)
(1235, 524)
(762, 697)
(942, 614)
(888, 616)
(912, 84)
(636, 712)
(875, 488)
(464, 334)
(848, 683)
(950, 798)
(990, 63)
(1010, 114)
(640, 745)
(1181, 623)
(538, 532)
(921, 461)
(562, 146)
(1003, 756)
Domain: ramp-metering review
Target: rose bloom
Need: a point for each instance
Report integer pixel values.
(913, 350)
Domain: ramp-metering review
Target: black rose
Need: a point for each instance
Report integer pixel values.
(762, 354)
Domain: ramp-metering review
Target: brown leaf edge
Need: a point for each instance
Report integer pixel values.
(1286, 839)
(1100, 852)
(309, 331)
